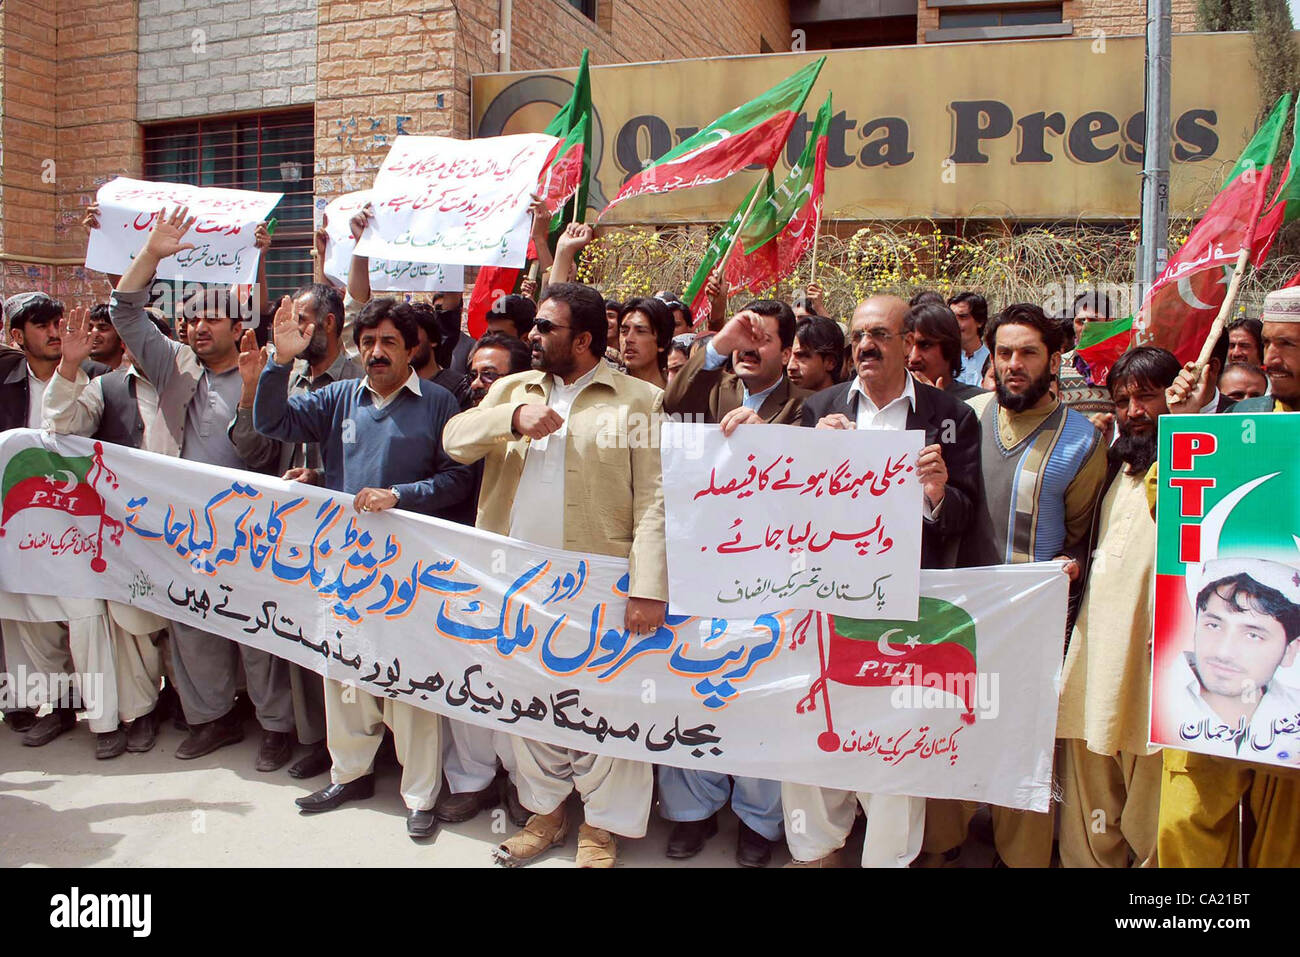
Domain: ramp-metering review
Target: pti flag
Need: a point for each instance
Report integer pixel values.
(695, 295)
(1181, 304)
(750, 134)
(935, 651)
(782, 226)
(38, 478)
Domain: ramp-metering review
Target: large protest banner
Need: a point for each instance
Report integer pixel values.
(784, 516)
(443, 200)
(1225, 679)
(530, 640)
(385, 274)
(222, 235)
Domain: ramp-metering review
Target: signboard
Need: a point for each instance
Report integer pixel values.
(385, 274)
(1023, 129)
(1225, 679)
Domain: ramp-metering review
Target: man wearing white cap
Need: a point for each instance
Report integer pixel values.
(1200, 793)
(1247, 627)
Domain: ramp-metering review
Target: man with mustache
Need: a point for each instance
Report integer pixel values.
(319, 306)
(204, 376)
(1200, 794)
(553, 475)
(391, 457)
(757, 341)
(1106, 765)
(1044, 467)
(883, 395)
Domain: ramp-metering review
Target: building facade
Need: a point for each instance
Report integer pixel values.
(304, 96)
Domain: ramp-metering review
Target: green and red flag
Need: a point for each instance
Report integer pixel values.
(1284, 207)
(937, 650)
(562, 185)
(783, 224)
(751, 134)
(695, 295)
(38, 478)
(1181, 304)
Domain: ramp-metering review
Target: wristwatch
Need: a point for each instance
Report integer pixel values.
(396, 494)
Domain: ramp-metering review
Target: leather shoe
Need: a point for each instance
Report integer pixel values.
(752, 848)
(421, 823)
(20, 720)
(316, 762)
(275, 750)
(687, 837)
(515, 810)
(142, 733)
(457, 808)
(328, 798)
(48, 728)
(207, 737)
(109, 744)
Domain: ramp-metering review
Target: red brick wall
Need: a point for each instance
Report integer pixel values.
(69, 94)
(1115, 17)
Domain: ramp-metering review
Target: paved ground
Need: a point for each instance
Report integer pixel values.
(59, 807)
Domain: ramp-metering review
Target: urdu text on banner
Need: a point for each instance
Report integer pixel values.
(225, 220)
(530, 640)
(466, 202)
(780, 516)
(385, 274)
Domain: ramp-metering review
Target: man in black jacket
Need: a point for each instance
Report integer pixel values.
(883, 395)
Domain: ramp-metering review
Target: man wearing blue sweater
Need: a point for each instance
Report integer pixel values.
(380, 441)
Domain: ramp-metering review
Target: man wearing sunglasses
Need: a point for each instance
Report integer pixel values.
(545, 440)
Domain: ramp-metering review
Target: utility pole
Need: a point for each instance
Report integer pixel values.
(1153, 250)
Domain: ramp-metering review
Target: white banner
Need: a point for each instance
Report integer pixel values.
(530, 640)
(783, 516)
(385, 274)
(444, 200)
(222, 233)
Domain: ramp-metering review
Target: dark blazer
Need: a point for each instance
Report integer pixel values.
(946, 422)
(961, 391)
(715, 392)
(13, 387)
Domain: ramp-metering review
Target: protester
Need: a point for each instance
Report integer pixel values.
(512, 315)
(678, 353)
(646, 333)
(613, 310)
(1242, 380)
(884, 396)
(1200, 794)
(758, 340)
(809, 302)
(682, 322)
(1044, 467)
(935, 356)
(394, 459)
(1245, 341)
(1109, 776)
(549, 418)
(818, 353)
(105, 344)
(425, 359)
(972, 313)
(207, 384)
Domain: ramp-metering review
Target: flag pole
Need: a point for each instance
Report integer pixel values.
(740, 227)
(1225, 310)
(817, 233)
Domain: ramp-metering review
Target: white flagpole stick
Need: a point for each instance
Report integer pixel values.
(1225, 310)
(817, 233)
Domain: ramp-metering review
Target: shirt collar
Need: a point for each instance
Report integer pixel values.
(760, 396)
(581, 382)
(302, 371)
(908, 393)
(412, 383)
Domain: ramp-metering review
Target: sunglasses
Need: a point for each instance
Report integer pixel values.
(546, 326)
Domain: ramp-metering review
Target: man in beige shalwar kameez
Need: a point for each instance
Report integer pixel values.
(1110, 778)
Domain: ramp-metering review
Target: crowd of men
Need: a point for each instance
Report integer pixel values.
(1027, 457)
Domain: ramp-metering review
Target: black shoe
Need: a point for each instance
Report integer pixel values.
(517, 813)
(206, 738)
(20, 720)
(275, 751)
(48, 728)
(688, 837)
(142, 733)
(109, 744)
(752, 848)
(421, 823)
(328, 798)
(316, 762)
(457, 808)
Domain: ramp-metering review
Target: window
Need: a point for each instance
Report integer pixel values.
(962, 19)
(586, 7)
(270, 152)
